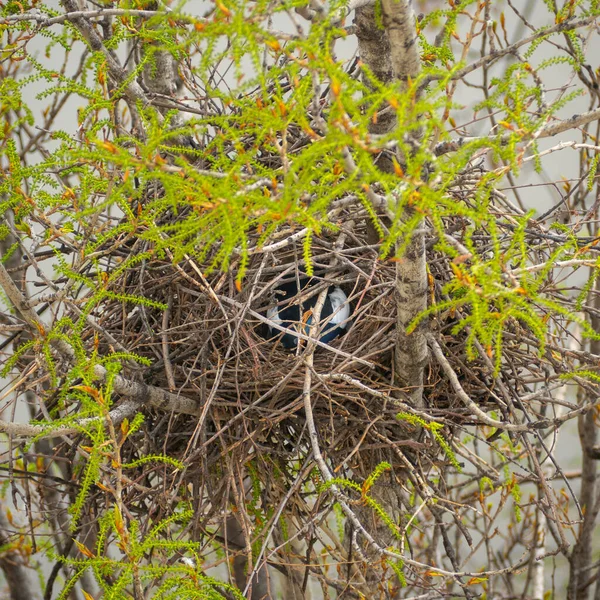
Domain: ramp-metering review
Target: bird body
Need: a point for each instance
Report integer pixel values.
(294, 312)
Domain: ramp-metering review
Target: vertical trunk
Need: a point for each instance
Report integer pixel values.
(580, 576)
(581, 559)
(411, 272)
(411, 349)
(234, 534)
(391, 54)
(374, 50)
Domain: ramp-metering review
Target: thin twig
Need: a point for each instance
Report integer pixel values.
(143, 393)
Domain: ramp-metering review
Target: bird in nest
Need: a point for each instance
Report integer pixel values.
(294, 312)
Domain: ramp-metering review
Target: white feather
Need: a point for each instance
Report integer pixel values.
(340, 306)
(273, 315)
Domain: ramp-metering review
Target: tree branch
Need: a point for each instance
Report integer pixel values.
(45, 21)
(464, 397)
(145, 394)
(566, 25)
(549, 130)
(26, 430)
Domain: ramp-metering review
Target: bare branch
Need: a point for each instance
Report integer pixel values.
(566, 25)
(463, 396)
(44, 21)
(548, 130)
(117, 415)
(145, 394)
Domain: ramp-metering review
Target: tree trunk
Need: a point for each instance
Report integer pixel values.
(581, 575)
(390, 52)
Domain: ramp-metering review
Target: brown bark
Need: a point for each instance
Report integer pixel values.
(390, 53)
(581, 559)
(411, 271)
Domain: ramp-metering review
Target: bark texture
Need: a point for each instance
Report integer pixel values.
(399, 22)
(411, 274)
(236, 541)
(581, 575)
(391, 52)
(375, 51)
(412, 354)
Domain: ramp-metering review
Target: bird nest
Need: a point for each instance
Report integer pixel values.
(210, 344)
(207, 342)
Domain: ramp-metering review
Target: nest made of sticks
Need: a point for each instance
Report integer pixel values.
(210, 345)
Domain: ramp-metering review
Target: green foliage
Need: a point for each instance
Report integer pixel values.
(515, 492)
(434, 428)
(116, 575)
(398, 567)
(486, 482)
(591, 375)
(380, 469)
(489, 299)
(219, 208)
(12, 361)
(102, 456)
(251, 185)
(168, 460)
(449, 17)
(12, 101)
(364, 490)
(339, 520)
(592, 173)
